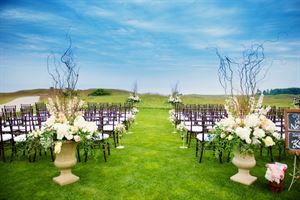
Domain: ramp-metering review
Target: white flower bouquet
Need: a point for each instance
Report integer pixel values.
(243, 132)
(120, 129)
(172, 117)
(134, 110)
(134, 98)
(173, 99)
(66, 123)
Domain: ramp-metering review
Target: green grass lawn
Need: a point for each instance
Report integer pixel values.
(150, 167)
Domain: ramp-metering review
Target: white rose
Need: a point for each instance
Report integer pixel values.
(77, 138)
(276, 135)
(61, 130)
(222, 135)
(252, 120)
(79, 122)
(243, 133)
(268, 141)
(69, 136)
(255, 140)
(259, 133)
(248, 141)
(57, 147)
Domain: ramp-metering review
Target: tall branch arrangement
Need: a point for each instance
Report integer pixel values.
(64, 72)
(135, 89)
(240, 78)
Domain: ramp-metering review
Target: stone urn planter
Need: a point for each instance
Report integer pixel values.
(64, 161)
(244, 163)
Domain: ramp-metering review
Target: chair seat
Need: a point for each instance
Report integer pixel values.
(197, 129)
(108, 127)
(122, 119)
(20, 138)
(99, 137)
(6, 137)
(207, 137)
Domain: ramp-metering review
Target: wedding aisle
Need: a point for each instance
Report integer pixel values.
(151, 166)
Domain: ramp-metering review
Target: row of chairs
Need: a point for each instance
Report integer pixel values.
(199, 119)
(15, 125)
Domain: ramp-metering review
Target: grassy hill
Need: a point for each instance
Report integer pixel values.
(148, 100)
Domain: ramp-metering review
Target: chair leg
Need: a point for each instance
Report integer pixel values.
(190, 138)
(78, 154)
(197, 147)
(187, 137)
(228, 157)
(108, 148)
(261, 149)
(271, 154)
(104, 152)
(117, 136)
(85, 156)
(201, 153)
(114, 136)
(51, 152)
(279, 153)
(2, 151)
(220, 157)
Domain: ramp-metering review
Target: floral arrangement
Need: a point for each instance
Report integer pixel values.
(134, 110)
(120, 129)
(130, 119)
(66, 123)
(275, 172)
(134, 98)
(173, 99)
(181, 127)
(172, 117)
(245, 127)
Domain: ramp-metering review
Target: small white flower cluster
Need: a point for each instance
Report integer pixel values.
(120, 129)
(172, 117)
(134, 98)
(275, 172)
(174, 99)
(181, 127)
(130, 118)
(134, 110)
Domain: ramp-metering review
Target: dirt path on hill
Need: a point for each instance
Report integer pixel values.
(21, 100)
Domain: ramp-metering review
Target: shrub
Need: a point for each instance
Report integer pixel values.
(100, 92)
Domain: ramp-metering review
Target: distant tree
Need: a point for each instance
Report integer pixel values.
(277, 91)
(258, 92)
(100, 92)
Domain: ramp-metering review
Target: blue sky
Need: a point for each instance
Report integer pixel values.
(157, 43)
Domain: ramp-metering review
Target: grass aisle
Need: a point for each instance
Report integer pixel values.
(152, 166)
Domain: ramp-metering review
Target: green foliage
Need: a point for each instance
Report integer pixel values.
(100, 92)
(294, 91)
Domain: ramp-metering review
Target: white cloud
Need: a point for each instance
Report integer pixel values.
(219, 31)
(31, 16)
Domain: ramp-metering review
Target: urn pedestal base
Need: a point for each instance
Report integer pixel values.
(243, 177)
(244, 163)
(66, 177)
